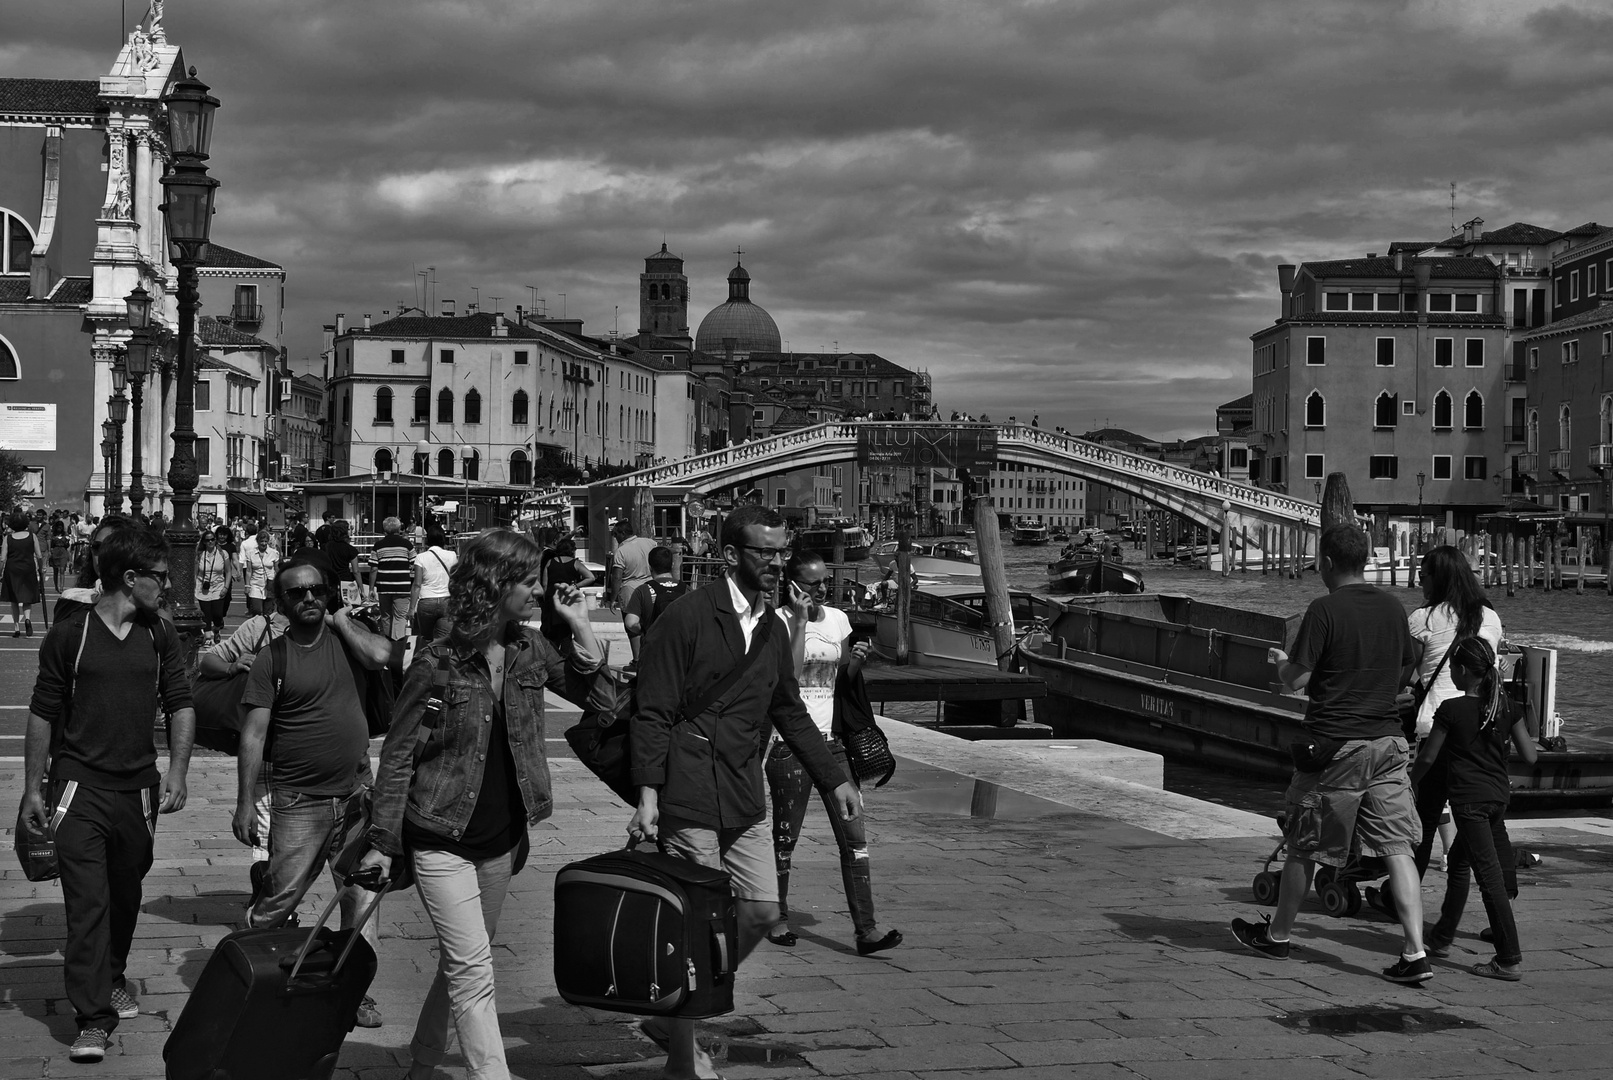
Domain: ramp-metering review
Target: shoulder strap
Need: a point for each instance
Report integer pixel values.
(440, 563)
(736, 678)
(277, 669)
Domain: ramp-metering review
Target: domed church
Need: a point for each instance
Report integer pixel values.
(738, 327)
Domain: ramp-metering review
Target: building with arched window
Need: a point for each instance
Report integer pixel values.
(1380, 367)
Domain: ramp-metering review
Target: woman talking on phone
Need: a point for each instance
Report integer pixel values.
(459, 807)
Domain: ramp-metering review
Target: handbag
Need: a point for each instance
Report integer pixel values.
(1419, 694)
(217, 700)
(601, 738)
(868, 752)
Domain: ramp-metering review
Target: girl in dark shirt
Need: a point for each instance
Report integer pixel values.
(1470, 737)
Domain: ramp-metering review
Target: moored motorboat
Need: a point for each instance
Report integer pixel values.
(944, 558)
(947, 624)
(1193, 681)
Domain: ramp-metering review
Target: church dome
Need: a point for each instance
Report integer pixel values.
(749, 325)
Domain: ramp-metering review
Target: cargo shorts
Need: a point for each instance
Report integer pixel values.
(1361, 800)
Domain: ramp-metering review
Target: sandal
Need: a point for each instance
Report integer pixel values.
(1492, 970)
(786, 939)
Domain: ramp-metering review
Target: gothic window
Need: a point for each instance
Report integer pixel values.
(518, 408)
(1385, 412)
(473, 466)
(383, 460)
(473, 406)
(16, 244)
(1565, 428)
(1442, 411)
(1473, 410)
(445, 411)
(1607, 420)
(1315, 410)
(422, 405)
(520, 468)
(383, 405)
(1532, 432)
(8, 362)
(445, 460)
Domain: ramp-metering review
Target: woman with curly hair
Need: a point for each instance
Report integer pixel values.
(459, 807)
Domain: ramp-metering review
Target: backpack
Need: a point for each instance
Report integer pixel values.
(665, 592)
(377, 691)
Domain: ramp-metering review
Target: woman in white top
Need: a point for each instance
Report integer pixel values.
(1454, 607)
(428, 601)
(818, 640)
(215, 572)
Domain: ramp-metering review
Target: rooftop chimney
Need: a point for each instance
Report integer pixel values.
(448, 309)
(1421, 272)
(341, 324)
(1285, 277)
(1372, 254)
(499, 329)
(1400, 262)
(366, 320)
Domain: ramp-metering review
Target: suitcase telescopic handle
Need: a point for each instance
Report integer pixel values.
(719, 933)
(313, 933)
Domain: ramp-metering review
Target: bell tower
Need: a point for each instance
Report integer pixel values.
(663, 290)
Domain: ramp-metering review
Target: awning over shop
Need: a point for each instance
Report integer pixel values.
(444, 486)
(249, 501)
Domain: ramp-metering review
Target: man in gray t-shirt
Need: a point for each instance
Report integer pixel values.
(313, 723)
(631, 563)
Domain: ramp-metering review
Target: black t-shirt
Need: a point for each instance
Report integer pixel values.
(341, 555)
(498, 820)
(1355, 643)
(567, 571)
(1475, 755)
(318, 739)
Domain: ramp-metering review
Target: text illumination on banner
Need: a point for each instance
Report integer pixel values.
(939, 446)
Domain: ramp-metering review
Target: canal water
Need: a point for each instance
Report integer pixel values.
(1579, 627)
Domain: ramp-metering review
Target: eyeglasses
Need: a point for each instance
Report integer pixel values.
(296, 593)
(821, 585)
(156, 575)
(769, 554)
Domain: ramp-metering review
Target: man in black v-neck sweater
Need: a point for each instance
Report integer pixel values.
(103, 673)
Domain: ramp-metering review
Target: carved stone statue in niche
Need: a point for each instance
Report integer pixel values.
(122, 202)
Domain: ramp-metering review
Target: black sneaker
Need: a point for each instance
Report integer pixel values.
(1410, 972)
(1258, 939)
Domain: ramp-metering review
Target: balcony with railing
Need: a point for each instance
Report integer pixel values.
(243, 314)
(1601, 456)
(1516, 433)
(1561, 461)
(1514, 373)
(1529, 464)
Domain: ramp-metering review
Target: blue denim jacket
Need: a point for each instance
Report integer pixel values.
(436, 787)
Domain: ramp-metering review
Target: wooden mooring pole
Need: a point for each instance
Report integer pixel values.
(994, 580)
(904, 590)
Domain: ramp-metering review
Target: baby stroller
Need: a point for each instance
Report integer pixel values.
(1338, 889)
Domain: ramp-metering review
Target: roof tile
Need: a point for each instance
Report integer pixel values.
(50, 97)
(214, 332)
(1382, 267)
(220, 257)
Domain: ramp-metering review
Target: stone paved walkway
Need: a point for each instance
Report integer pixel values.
(1048, 942)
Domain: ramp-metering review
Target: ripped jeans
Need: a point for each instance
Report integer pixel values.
(791, 790)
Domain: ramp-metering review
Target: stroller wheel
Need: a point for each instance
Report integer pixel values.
(1335, 899)
(1324, 877)
(1353, 907)
(1266, 888)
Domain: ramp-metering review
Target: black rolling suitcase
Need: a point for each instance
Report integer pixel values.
(647, 933)
(273, 1004)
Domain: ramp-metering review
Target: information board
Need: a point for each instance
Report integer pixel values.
(939, 446)
(27, 427)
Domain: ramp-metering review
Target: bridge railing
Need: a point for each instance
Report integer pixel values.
(1245, 497)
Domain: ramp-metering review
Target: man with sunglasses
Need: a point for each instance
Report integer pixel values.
(313, 719)
(700, 777)
(104, 672)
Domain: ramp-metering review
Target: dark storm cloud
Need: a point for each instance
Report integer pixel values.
(1058, 207)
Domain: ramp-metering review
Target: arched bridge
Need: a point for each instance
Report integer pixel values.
(1195, 495)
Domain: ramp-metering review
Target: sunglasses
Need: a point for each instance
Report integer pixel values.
(297, 593)
(155, 575)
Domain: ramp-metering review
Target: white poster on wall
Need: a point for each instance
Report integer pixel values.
(25, 426)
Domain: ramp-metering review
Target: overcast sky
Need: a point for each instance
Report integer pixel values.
(1067, 208)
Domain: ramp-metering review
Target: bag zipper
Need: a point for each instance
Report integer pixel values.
(655, 940)
(616, 921)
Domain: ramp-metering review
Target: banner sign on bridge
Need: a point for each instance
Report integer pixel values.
(927, 445)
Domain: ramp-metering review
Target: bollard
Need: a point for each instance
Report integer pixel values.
(1509, 547)
(1579, 578)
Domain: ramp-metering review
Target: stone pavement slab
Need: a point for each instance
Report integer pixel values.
(1051, 940)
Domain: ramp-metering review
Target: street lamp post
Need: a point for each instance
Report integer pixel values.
(467, 454)
(1421, 478)
(422, 450)
(188, 213)
(138, 363)
(108, 445)
(117, 410)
